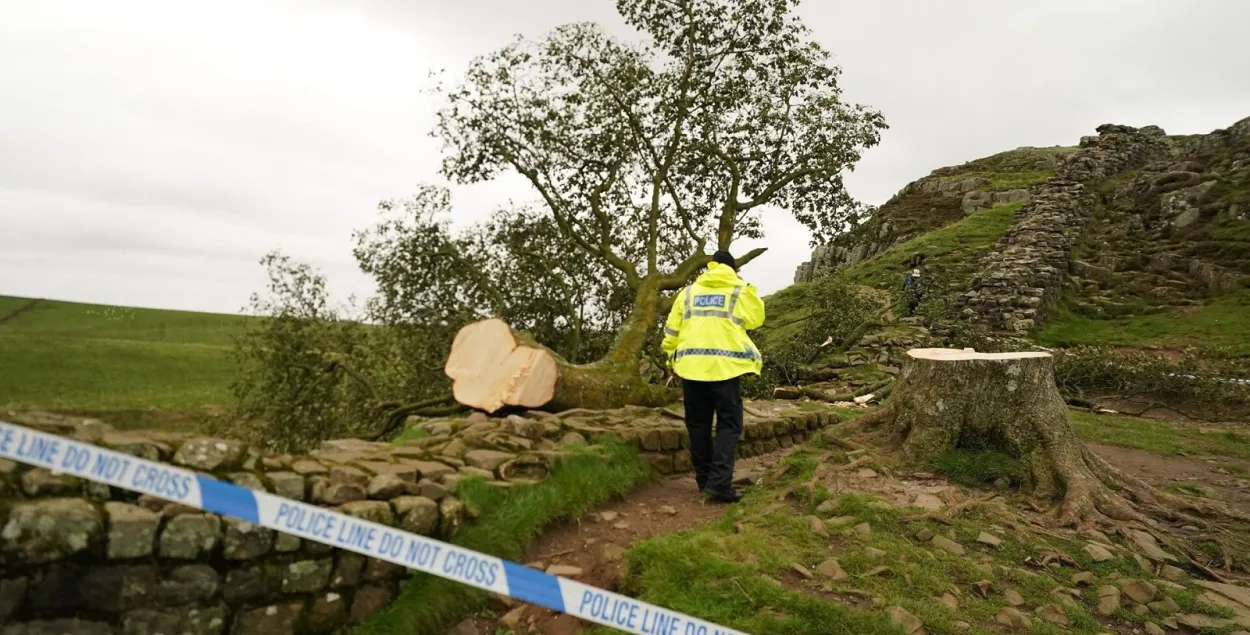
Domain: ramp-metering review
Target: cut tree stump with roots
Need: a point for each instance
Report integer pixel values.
(493, 367)
(951, 399)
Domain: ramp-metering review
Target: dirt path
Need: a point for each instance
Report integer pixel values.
(593, 546)
(1205, 475)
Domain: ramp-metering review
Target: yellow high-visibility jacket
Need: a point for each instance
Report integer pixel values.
(705, 337)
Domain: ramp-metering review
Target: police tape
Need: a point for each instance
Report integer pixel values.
(340, 530)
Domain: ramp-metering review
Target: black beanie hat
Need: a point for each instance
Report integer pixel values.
(725, 258)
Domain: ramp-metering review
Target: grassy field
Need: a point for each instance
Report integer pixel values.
(84, 357)
(1157, 437)
(1224, 322)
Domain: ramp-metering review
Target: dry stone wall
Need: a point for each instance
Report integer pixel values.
(82, 558)
(1028, 266)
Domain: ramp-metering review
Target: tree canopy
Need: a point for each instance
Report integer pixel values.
(724, 108)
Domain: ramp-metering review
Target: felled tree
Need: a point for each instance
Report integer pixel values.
(310, 371)
(678, 142)
(511, 266)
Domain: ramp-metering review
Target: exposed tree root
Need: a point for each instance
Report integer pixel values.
(950, 399)
(949, 515)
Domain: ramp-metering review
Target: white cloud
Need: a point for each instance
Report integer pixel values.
(153, 151)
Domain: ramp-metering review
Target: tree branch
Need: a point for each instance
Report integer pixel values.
(396, 417)
(682, 273)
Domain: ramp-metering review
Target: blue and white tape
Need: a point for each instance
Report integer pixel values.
(336, 529)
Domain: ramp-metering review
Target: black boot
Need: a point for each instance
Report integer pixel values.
(727, 495)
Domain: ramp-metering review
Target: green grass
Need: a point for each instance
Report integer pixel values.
(1158, 437)
(955, 249)
(714, 572)
(1224, 323)
(717, 572)
(977, 469)
(1000, 181)
(509, 521)
(71, 356)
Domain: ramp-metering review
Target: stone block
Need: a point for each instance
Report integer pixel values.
(433, 470)
(188, 584)
(131, 531)
(209, 455)
(316, 548)
(682, 462)
(309, 467)
(670, 438)
(347, 569)
(244, 541)
(47, 530)
(417, 514)
(150, 622)
(117, 589)
(429, 489)
(287, 485)
(528, 467)
(386, 487)
(450, 516)
(402, 471)
(12, 594)
(58, 627)
(275, 619)
(247, 480)
(203, 621)
(368, 601)
(337, 493)
(190, 536)
(54, 588)
(286, 543)
(650, 440)
(41, 482)
(375, 511)
(307, 576)
(663, 463)
(251, 584)
(381, 570)
(346, 475)
(488, 460)
(326, 614)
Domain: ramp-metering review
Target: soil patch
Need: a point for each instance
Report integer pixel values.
(1162, 471)
(594, 545)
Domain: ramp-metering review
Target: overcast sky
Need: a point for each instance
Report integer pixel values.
(152, 151)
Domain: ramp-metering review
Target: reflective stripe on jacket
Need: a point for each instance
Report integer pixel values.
(705, 337)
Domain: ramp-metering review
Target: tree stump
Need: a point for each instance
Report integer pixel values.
(948, 398)
(493, 367)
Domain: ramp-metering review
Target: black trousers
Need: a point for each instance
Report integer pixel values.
(713, 459)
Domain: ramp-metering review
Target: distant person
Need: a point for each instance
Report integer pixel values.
(707, 345)
(913, 291)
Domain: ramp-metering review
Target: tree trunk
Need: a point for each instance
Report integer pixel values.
(493, 367)
(949, 398)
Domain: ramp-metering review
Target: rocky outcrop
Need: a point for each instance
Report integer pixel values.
(76, 557)
(944, 196)
(1029, 265)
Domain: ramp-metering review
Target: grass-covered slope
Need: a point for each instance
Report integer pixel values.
(68, 356)
(799, 558)
(945, 196)
(1163, 261)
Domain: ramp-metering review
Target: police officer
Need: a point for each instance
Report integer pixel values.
(707, 345)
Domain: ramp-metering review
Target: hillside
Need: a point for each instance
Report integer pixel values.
(1131, 239)
(72, 356)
